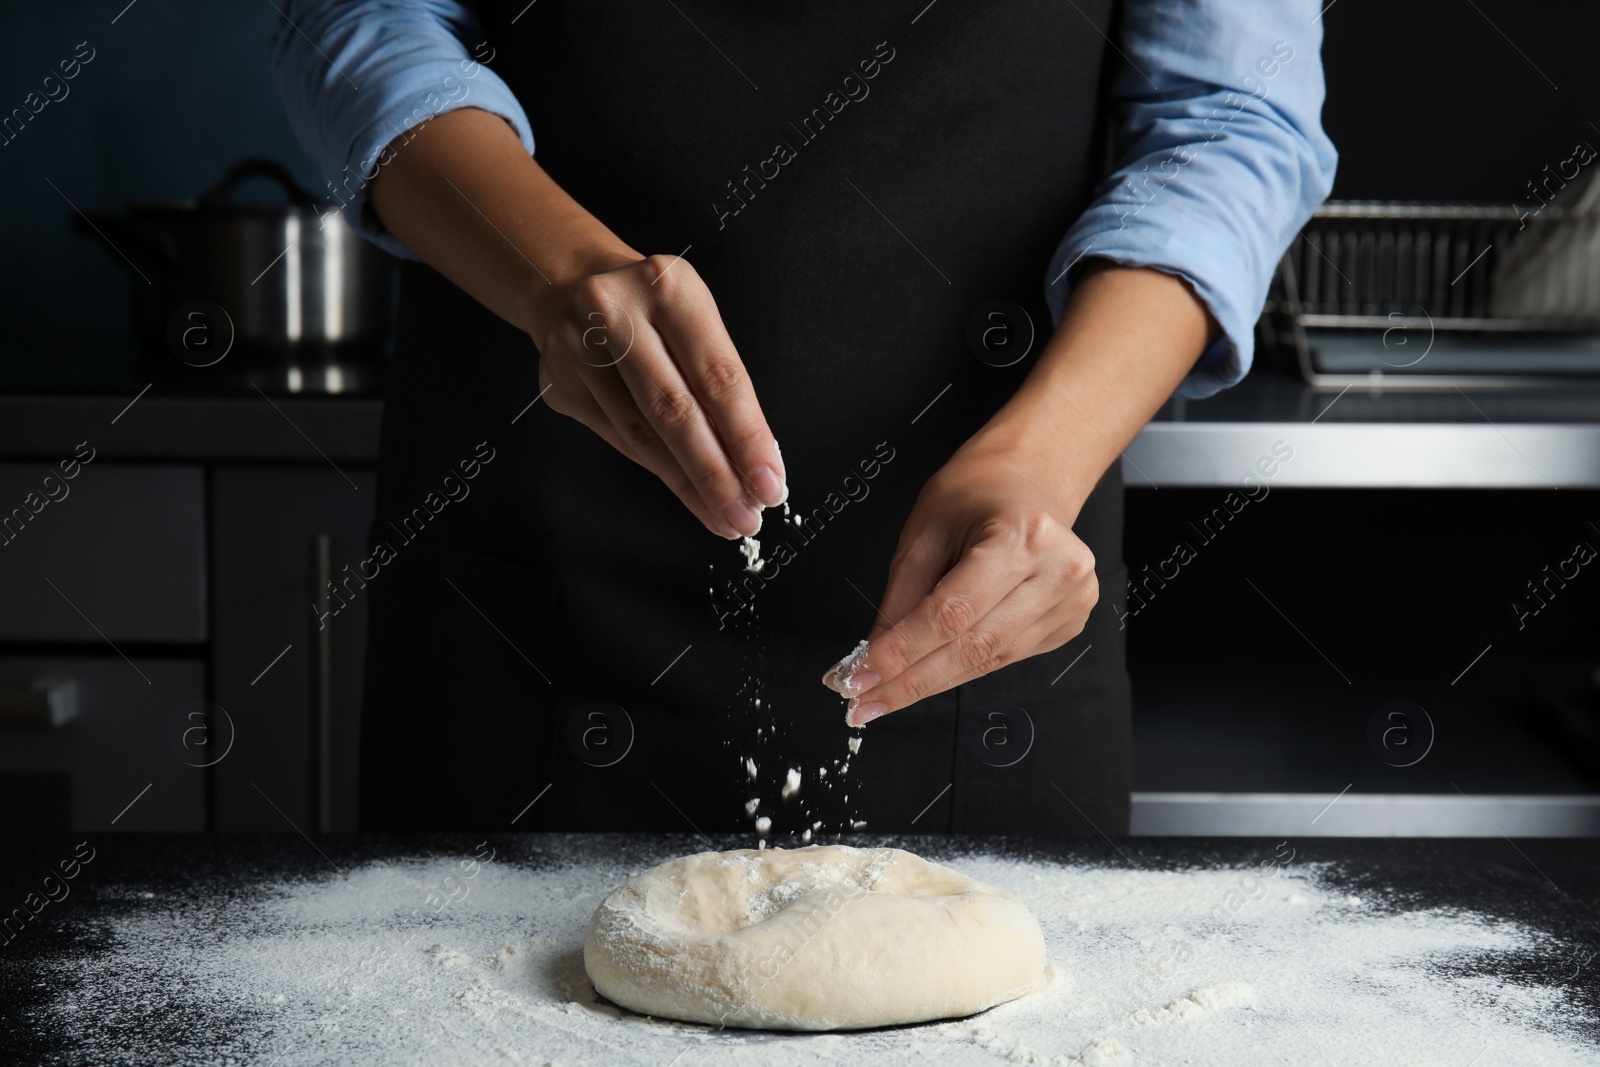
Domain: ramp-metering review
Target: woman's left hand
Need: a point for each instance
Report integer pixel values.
(987, 572)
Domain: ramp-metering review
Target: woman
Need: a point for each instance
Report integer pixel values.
(840, 225)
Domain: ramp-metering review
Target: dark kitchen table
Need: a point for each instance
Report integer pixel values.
(1549, 885)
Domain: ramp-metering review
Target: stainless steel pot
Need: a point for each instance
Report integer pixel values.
(282, 297)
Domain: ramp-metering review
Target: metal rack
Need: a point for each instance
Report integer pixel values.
(1379, 276)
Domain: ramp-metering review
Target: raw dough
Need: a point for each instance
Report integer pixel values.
(821, 938)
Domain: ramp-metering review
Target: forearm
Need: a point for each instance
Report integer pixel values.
(466, 197)
(1127, 338)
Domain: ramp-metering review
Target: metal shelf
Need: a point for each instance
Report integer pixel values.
(1368, 455)
(1362, 815)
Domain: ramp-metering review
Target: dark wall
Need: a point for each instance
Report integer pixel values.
(1428, 100)
(176, 91)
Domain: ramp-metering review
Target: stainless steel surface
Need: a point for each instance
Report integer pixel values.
(1384, 322)
(1368, 455)
(49, 703)
(1362, 815)
(303, 302)
(1484, 357)
(328, 287)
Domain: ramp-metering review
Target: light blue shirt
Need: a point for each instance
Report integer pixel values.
(1220, 153)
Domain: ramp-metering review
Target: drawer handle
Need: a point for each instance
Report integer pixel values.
(320, 571)
(49, 703)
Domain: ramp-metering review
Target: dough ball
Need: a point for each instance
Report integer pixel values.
(821, 938)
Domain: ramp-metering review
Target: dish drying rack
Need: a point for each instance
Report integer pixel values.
(1368, 291)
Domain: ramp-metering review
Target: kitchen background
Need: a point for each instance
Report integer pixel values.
(1363, 635)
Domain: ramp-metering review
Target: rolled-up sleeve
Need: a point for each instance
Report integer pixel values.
(356, 75)
(1220, 160)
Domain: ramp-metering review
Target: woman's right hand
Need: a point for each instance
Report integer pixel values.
(631, 346)
(635, 349)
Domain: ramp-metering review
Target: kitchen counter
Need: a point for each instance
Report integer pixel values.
(198, 429)
(1362, 437)
(261, 948)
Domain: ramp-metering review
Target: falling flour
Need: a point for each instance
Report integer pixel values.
(328, 970)
(843, 675)
(751, 549)
(841, 678)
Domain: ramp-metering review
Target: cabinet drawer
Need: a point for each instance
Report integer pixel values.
(262, 519)
(116, 552)
(128, 732)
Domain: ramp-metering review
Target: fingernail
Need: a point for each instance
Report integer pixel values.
(839, 681)
(743, 518)
(862, 714)
(863, 681)
(847, 668)
(768, 486)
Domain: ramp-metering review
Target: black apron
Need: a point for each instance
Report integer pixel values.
(854, 181)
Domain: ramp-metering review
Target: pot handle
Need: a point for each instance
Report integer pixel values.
(257, 167)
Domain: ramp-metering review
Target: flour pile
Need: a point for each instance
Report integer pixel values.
(478, 958)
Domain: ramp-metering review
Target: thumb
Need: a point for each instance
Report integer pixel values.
(911, 575)
(914, 571)
(918, 564)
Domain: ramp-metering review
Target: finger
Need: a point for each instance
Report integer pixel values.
(1045, 611)
(949, 607)
(671, 409)
(918, 564)
(570, 395)
(698, 342)
(617, 419)
(1010, 632)
(612, 337)
(1059, 637)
